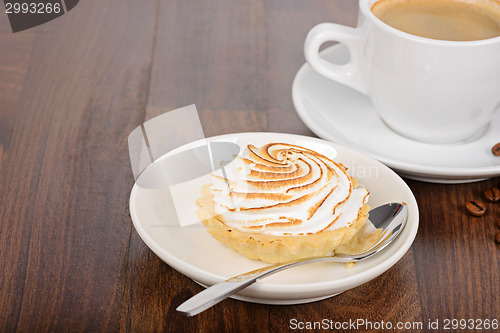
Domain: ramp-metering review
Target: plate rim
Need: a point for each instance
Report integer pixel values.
(327, 287)
(421, 170)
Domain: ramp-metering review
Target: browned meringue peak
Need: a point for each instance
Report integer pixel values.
(283, 188)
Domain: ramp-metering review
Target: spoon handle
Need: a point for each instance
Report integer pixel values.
(220, 291)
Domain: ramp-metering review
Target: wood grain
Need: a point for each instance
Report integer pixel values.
(456, 252)
(70, 93)
(65, 229)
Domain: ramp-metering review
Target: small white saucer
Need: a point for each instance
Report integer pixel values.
(340, 114)
(191, 250)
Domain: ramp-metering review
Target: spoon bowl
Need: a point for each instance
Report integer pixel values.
(391, 218)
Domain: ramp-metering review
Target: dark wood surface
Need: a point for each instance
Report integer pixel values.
(73, 89)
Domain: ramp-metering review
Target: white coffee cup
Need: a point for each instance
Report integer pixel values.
(426, 89)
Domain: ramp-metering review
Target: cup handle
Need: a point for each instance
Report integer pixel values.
(347, 74)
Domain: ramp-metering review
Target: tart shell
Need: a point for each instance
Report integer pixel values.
(275, 249)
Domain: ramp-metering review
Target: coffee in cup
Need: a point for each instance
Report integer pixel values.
(454, 20)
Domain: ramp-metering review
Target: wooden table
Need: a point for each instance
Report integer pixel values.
(73, 89)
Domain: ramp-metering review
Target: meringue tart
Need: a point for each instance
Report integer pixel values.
(283, 202)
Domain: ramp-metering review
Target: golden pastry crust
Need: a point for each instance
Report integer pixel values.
(275, 249)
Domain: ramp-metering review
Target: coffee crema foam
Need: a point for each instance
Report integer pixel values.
(453, 20)
(282, 189)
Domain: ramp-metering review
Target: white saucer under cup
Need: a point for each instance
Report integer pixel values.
(343, 115)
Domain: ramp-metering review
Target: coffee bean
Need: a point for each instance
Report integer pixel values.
(492, 194)
(496, 149)
(475, 207)
(497, 238)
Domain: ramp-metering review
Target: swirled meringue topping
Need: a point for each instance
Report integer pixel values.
(282, 189)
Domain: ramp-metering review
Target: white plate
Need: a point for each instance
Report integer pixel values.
(193, 252)
(340, 114)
